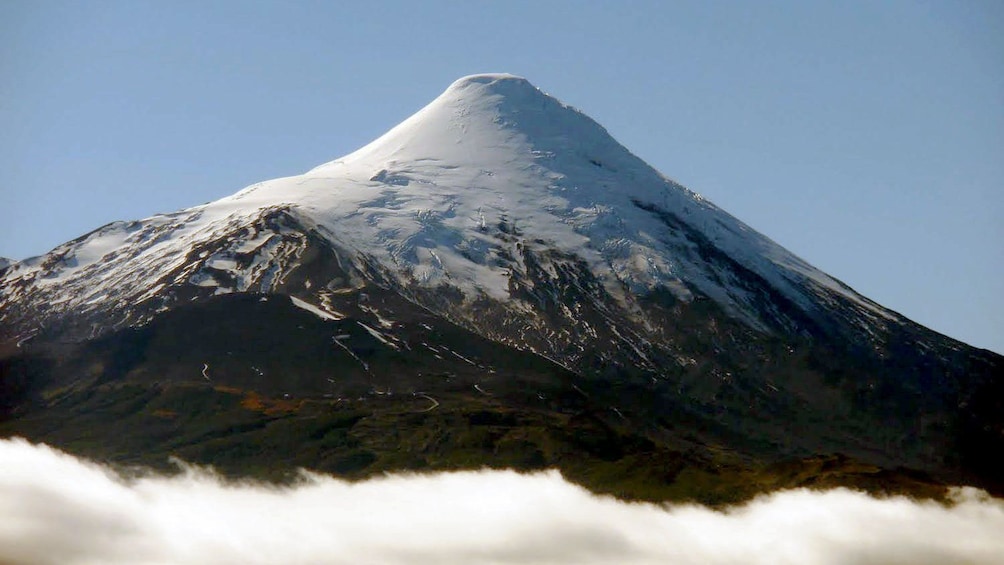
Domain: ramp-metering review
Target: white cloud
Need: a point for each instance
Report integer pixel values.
(55, 508)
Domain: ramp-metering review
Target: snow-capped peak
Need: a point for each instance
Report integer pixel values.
(497, 80)
(461, 193)
(494, 148)
(479, 114)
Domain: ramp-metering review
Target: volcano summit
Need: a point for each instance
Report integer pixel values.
(495, 281)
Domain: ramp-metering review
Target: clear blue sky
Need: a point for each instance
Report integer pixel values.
(867, 137)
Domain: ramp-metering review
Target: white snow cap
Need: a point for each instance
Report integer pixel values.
(488, 78)
(494, 146)
(482, 113)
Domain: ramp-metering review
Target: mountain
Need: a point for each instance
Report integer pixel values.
(494, 281)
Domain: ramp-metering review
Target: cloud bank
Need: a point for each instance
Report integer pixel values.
(55, 508)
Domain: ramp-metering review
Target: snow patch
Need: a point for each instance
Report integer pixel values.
(324, 315)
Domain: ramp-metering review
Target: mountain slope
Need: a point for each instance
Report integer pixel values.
(517, 220)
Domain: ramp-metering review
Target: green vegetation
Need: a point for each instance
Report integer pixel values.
(256, 387)
(246, 434)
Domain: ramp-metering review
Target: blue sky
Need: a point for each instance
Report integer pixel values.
(866, 137)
